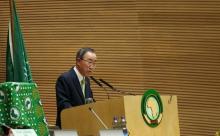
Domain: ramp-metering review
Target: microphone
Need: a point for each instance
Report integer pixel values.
(98, 118)
(100, 85)
(96, 81)
(106, 83)
(114, 89)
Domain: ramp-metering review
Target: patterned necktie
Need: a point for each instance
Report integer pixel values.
(83, 86)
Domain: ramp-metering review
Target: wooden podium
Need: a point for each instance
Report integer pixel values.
(85, 122)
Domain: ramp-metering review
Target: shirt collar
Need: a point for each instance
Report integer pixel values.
(80, 77)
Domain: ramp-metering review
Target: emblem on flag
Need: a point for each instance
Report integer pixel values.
(14, 113)
(2, 96)
(28, 103)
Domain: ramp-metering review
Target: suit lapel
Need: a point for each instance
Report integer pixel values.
(78, 86)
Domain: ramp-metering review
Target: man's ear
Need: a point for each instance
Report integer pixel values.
(77, 61)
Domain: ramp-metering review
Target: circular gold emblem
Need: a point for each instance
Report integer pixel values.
(152, 108)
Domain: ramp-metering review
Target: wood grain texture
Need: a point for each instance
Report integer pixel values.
(169, 45)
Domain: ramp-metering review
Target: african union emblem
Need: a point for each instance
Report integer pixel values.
(2, 96)
(151, 108)
(14, 113)
(28, 103)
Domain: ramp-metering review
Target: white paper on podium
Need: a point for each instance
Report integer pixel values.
(65, 133)
(111, 132)
(23, 132)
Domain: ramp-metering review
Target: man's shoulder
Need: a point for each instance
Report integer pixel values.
(67, 74)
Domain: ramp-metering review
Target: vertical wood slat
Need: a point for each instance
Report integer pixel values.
(171, 46)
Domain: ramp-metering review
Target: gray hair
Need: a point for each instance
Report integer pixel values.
(81, 52)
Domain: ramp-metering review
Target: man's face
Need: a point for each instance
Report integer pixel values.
(87, 64)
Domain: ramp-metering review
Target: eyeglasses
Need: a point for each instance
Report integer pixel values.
(89, 62)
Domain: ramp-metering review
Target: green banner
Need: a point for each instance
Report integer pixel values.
(17, 65)
(20, 107)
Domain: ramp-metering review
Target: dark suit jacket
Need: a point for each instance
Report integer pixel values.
(69, 92)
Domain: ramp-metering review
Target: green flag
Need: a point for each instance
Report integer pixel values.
(20, 104)
(17, 65)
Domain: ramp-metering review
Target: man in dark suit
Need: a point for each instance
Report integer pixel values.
(73, 87)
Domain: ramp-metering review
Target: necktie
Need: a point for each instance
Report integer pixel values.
(83, 86)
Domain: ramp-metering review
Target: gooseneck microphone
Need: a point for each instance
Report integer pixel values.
(114, 89)
(100, 85)
(96, 81)
(106, 83)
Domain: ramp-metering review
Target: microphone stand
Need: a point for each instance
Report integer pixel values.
(98, 118)
(106, 92)
(100, 85)
(123, 92)
(114, 89)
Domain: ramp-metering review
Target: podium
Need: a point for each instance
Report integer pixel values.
(85, 122)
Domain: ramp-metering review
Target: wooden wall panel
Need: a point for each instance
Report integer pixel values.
(172, 46)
